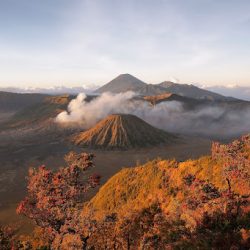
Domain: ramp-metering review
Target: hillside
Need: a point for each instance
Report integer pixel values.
(122, 131)
(165, 204)
(10, 102)
(173, 184)
(41, 111)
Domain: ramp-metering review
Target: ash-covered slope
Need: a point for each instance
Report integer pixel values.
(122, 131)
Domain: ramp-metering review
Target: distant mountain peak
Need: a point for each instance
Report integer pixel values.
(125, 75)
(122, 83)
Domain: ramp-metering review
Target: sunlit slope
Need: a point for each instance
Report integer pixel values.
(179, 187)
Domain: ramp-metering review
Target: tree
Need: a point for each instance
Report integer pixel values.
(235, 160)
(54, 198)
(7, 237)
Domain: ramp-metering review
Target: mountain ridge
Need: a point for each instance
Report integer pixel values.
(190, 90)
(127, 82)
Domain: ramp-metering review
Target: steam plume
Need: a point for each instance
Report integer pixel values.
(216, 120)
(88, 113)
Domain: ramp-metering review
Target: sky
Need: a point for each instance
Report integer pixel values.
(83, 42)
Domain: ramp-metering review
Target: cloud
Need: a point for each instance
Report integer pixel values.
(90, 41)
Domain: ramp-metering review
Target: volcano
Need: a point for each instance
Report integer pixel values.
(122, 131)
(122, 83)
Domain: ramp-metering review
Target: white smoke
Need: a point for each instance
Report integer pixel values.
(216, 120)
(88, 113)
